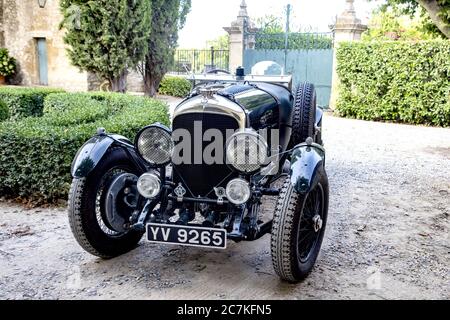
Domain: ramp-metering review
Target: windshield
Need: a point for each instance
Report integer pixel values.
(267, 68)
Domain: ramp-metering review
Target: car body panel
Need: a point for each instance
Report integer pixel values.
(92, 152)
(307, 163)
(319, 117)
(214, 104)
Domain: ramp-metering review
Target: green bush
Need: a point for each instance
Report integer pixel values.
(25, 102)
(117, 101)
(36, 153)
(7, 63)
(63, 109)
(175, 86)
(395, 81)
(4, 111)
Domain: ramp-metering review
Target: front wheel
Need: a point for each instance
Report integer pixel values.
(298, 230)
(89, 219)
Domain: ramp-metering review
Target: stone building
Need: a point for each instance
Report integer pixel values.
(29, 29)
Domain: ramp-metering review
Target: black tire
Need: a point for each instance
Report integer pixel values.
(290, 262)
(85, 212)
(304, 114)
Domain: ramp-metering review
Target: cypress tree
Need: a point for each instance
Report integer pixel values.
(168, 17)
(107, 37)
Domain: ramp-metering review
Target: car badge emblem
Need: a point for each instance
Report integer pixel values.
(220, 193)
(180, 191)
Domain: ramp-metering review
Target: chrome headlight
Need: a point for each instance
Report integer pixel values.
(238, 191)
(149, 186)
(247, 151)
(155, 145)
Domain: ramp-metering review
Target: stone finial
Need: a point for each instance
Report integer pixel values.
(242, 20)
(243, 11)
(350, 6)
(349, 15)
(348, 20)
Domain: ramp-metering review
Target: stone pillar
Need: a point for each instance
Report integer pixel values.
(238, 39)
(347, 28)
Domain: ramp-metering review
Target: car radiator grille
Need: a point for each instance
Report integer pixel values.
(201, 179)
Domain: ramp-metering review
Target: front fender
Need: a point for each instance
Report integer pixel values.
(319, 117)
(307, 163)
(90, 154)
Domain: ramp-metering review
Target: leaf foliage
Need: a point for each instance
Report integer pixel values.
(36, 153)
(395, 81)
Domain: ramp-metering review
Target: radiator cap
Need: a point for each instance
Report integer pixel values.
(240, 72)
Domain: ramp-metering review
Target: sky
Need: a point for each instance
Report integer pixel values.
(208, 17)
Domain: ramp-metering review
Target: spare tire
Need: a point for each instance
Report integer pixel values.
(304, 114)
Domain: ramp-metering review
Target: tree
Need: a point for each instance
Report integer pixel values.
(168, 16)
(437, 18)
(392, 25)
(270, 24)
(222, 42)
(107, 37)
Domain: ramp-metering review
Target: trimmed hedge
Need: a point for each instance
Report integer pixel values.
(4, 111)
(296, 41)
(36, 153)
(175, 86)
(64, 109)
(25, 102)
(395, 81)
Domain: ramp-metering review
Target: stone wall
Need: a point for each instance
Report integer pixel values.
(135, 82)
(22, 22)
(2, 33)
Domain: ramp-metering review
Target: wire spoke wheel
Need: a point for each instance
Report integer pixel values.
(298, 229)
(88, 212)
(311, 223)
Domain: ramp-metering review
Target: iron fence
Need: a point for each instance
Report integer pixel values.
(199, 61)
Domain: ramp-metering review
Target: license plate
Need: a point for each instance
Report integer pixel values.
(187, 236)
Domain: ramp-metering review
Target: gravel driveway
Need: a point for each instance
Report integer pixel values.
(387, 236)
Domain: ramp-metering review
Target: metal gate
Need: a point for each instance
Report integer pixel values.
(306, 56)
(199, 61)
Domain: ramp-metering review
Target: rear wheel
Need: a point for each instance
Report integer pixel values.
(304, 117)
(298, 230)
(88, 218)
